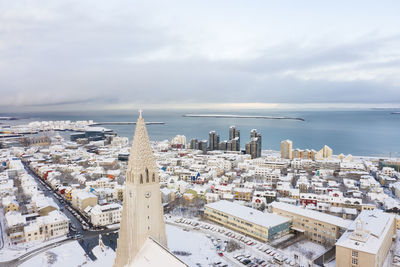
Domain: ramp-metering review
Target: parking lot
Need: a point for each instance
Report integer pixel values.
(252, 252)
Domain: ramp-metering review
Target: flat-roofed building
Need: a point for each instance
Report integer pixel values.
(82, 199)
(53, 225)
(14, 223)
(367, 240)
(254, 223)
(242, 193)
(105, 214)
(286, 149)
(316, 226)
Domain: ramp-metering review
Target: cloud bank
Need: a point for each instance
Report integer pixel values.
(126, 53)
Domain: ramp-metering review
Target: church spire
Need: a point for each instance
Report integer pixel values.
(142, 214)
(142, 167)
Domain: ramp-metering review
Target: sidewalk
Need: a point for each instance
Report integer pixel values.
(8, 254)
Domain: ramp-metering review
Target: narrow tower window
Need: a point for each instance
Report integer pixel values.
(141, 179)
(154, 178)
(147, 175)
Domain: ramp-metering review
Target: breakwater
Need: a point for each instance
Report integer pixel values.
(242, 116)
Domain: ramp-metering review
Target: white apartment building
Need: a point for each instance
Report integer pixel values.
(212, 197)
(105, 215)
(53, 225)
(28, 185)
(7, 188)
(286, 149)
(388, 171)
(179, 140)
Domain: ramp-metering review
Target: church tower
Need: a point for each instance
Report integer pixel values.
(142, 214)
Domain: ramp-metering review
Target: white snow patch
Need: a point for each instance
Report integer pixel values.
(69, 254)
(201, 249)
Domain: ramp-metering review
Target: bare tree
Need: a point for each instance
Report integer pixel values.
(232, 246)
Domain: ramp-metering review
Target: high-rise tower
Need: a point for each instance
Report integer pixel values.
(286, 149)
(142, 214)
(214, 140)
(234, 138)
(254, 146)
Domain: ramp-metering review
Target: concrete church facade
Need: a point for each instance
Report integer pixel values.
(142, 230)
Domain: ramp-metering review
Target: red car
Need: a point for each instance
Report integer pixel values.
(220, 254)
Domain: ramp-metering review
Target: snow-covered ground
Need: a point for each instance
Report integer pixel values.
(105, 257)
(199, 247)
(14, 251)
(197, 244)
(305, 250)
(70, 254)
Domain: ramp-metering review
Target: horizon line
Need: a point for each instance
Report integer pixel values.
(203, 105)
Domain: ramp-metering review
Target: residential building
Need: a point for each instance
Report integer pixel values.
(212, 197)
(82, 199)
(194, 144)
(14, 223)
(234, 139)
(213, 140)
(254, 146)
(255, 134)
(242, 193)
(55, 224)
(223, 145)
(105, 214)
(11, 206)
(43, 205)
(203, 146)
(178, 141)
(286, 149)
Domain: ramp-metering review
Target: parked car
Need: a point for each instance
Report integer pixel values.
(245, 261)
(78, 236)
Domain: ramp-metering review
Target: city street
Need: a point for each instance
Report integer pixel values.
(89, 239)
(62, 206)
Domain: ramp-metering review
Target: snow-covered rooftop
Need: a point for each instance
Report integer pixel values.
(84, 195)
(316, 215)
(154, 254)
(14, 218)
(267, 220)
(98, 209)
(43, 202)
(368, 231)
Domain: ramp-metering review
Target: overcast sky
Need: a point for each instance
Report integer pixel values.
(124, 54)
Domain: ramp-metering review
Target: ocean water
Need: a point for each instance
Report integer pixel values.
(356, 132)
